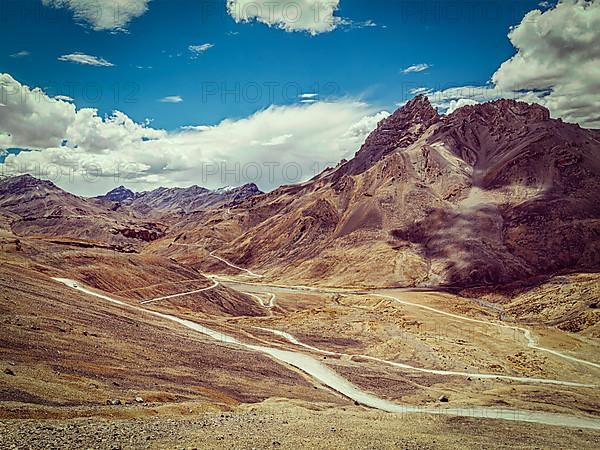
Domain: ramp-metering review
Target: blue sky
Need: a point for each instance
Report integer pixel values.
(211, 92)
(353, 60)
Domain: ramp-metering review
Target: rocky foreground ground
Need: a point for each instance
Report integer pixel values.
(282, 425)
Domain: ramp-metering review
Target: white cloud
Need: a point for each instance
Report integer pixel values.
(456, 104)
(309, 97)
(311, 16)
(420, 90)
(276, 141)
(353, 25)
(199, 49)
(557, 65)
(307, 138)
(195, 128)
(171, 99)
(82, 58)
(448, 100)
(416, 68)
(21, 54)
(111, 15)
(558, 52)
(35, 121)
(364, 126)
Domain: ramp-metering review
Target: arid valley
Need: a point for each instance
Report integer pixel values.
(166, 326)
(299, 224)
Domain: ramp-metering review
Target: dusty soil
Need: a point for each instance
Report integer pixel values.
(289, 425)
(67, 349)
(64, 354)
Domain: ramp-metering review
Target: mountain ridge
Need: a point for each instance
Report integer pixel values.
(490, 194)
(483, 196)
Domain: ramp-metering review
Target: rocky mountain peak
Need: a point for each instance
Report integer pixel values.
(417, 110)
(24, 183)
(401, 129)
(120, 194)
(249, 188)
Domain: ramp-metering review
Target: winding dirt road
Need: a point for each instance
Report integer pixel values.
(527, 334)
(182, 294)
(486, 376)
(224, 261)
(328, 377)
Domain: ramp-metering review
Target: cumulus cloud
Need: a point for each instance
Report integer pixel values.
(82, 58)
(31, 119)
(361, 129)
(448, 100)
(456, 104)
(557, 65)
(100, 15)
(311, 16)
(171, 99)
(558, 58)
(278, 145)
(416, 68)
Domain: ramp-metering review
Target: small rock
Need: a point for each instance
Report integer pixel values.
(444, 399)
(139, 400)
(113, 402)
(8, 371)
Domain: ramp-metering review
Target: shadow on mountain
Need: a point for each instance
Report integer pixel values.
(492, 246)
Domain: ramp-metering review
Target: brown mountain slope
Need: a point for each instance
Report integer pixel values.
(35, 207)
(490, 194)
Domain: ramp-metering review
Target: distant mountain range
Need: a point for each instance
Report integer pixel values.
(179, 200)
(120, 218)
(488, 195)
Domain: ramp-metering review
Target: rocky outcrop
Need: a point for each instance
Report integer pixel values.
(399, 130)
(146, 232)
(119, 195)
